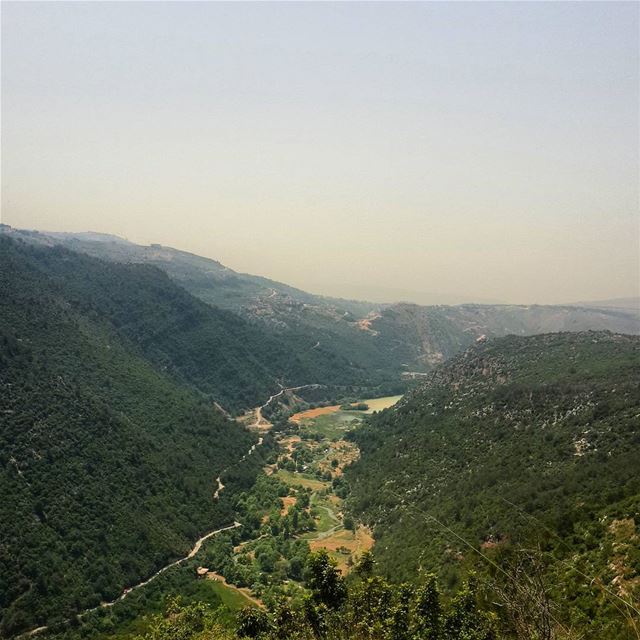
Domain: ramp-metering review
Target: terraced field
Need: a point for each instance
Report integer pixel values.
(301, 480)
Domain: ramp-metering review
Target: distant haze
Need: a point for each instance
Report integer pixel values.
(435, 152)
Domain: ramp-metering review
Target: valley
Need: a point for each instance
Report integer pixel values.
(318, 491)
(319, 321)
(125, 438)
(308, 464)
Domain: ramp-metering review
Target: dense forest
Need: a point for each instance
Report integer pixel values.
(107, 466)
(518, 444)
(296, 336)
(216, 351)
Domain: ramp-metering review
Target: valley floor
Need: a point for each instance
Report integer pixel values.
(320, 442)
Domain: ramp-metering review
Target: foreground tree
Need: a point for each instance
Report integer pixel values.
(324, 580)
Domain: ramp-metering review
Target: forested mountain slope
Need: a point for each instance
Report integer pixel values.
(107, 466)
(206, 278)
(518, 443)
(309, 338)
(236, 363)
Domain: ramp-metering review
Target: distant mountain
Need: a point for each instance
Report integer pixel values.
(519, 443)
(236, 362)
(387, 341)
(613, 303)
(430, 335)
(252, 296)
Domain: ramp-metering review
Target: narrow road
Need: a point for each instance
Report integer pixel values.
(329, 532)
(216, 495)
(222, 410)
(194, 550)
(253, 448)
(263, 422)
(103, 605)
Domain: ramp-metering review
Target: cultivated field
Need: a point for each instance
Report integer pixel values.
(378, 404)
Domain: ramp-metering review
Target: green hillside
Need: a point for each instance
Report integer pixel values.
(238, 364)
(519, 443)
(107, 466)
(272, 333)
(426, 336)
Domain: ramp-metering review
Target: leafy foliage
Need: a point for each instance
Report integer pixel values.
(368, 608)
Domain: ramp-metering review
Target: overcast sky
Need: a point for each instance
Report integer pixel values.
(439, 152)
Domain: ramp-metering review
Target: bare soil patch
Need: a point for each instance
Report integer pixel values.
(345, 540)
(287, 501)
(313, 413)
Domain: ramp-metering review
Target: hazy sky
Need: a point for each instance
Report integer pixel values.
(472, 151)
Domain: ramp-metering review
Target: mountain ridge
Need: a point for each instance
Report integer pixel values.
(107, 463)
(400, 338)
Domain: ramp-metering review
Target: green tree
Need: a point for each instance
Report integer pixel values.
(252, 622)
(366, 564)
(465, 620)
(324, 579)
(427, 611)
(349, 523)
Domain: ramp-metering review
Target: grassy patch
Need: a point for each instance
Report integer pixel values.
(230, 598)
(378, 404)
(332, 425)
(299, 479)
(325, 520)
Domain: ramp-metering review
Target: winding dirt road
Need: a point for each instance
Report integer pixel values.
(260, 421)
(103, 605)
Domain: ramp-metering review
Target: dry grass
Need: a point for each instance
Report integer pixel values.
(355, 544)
(287, 501)
(314, 413)
(294, 479)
